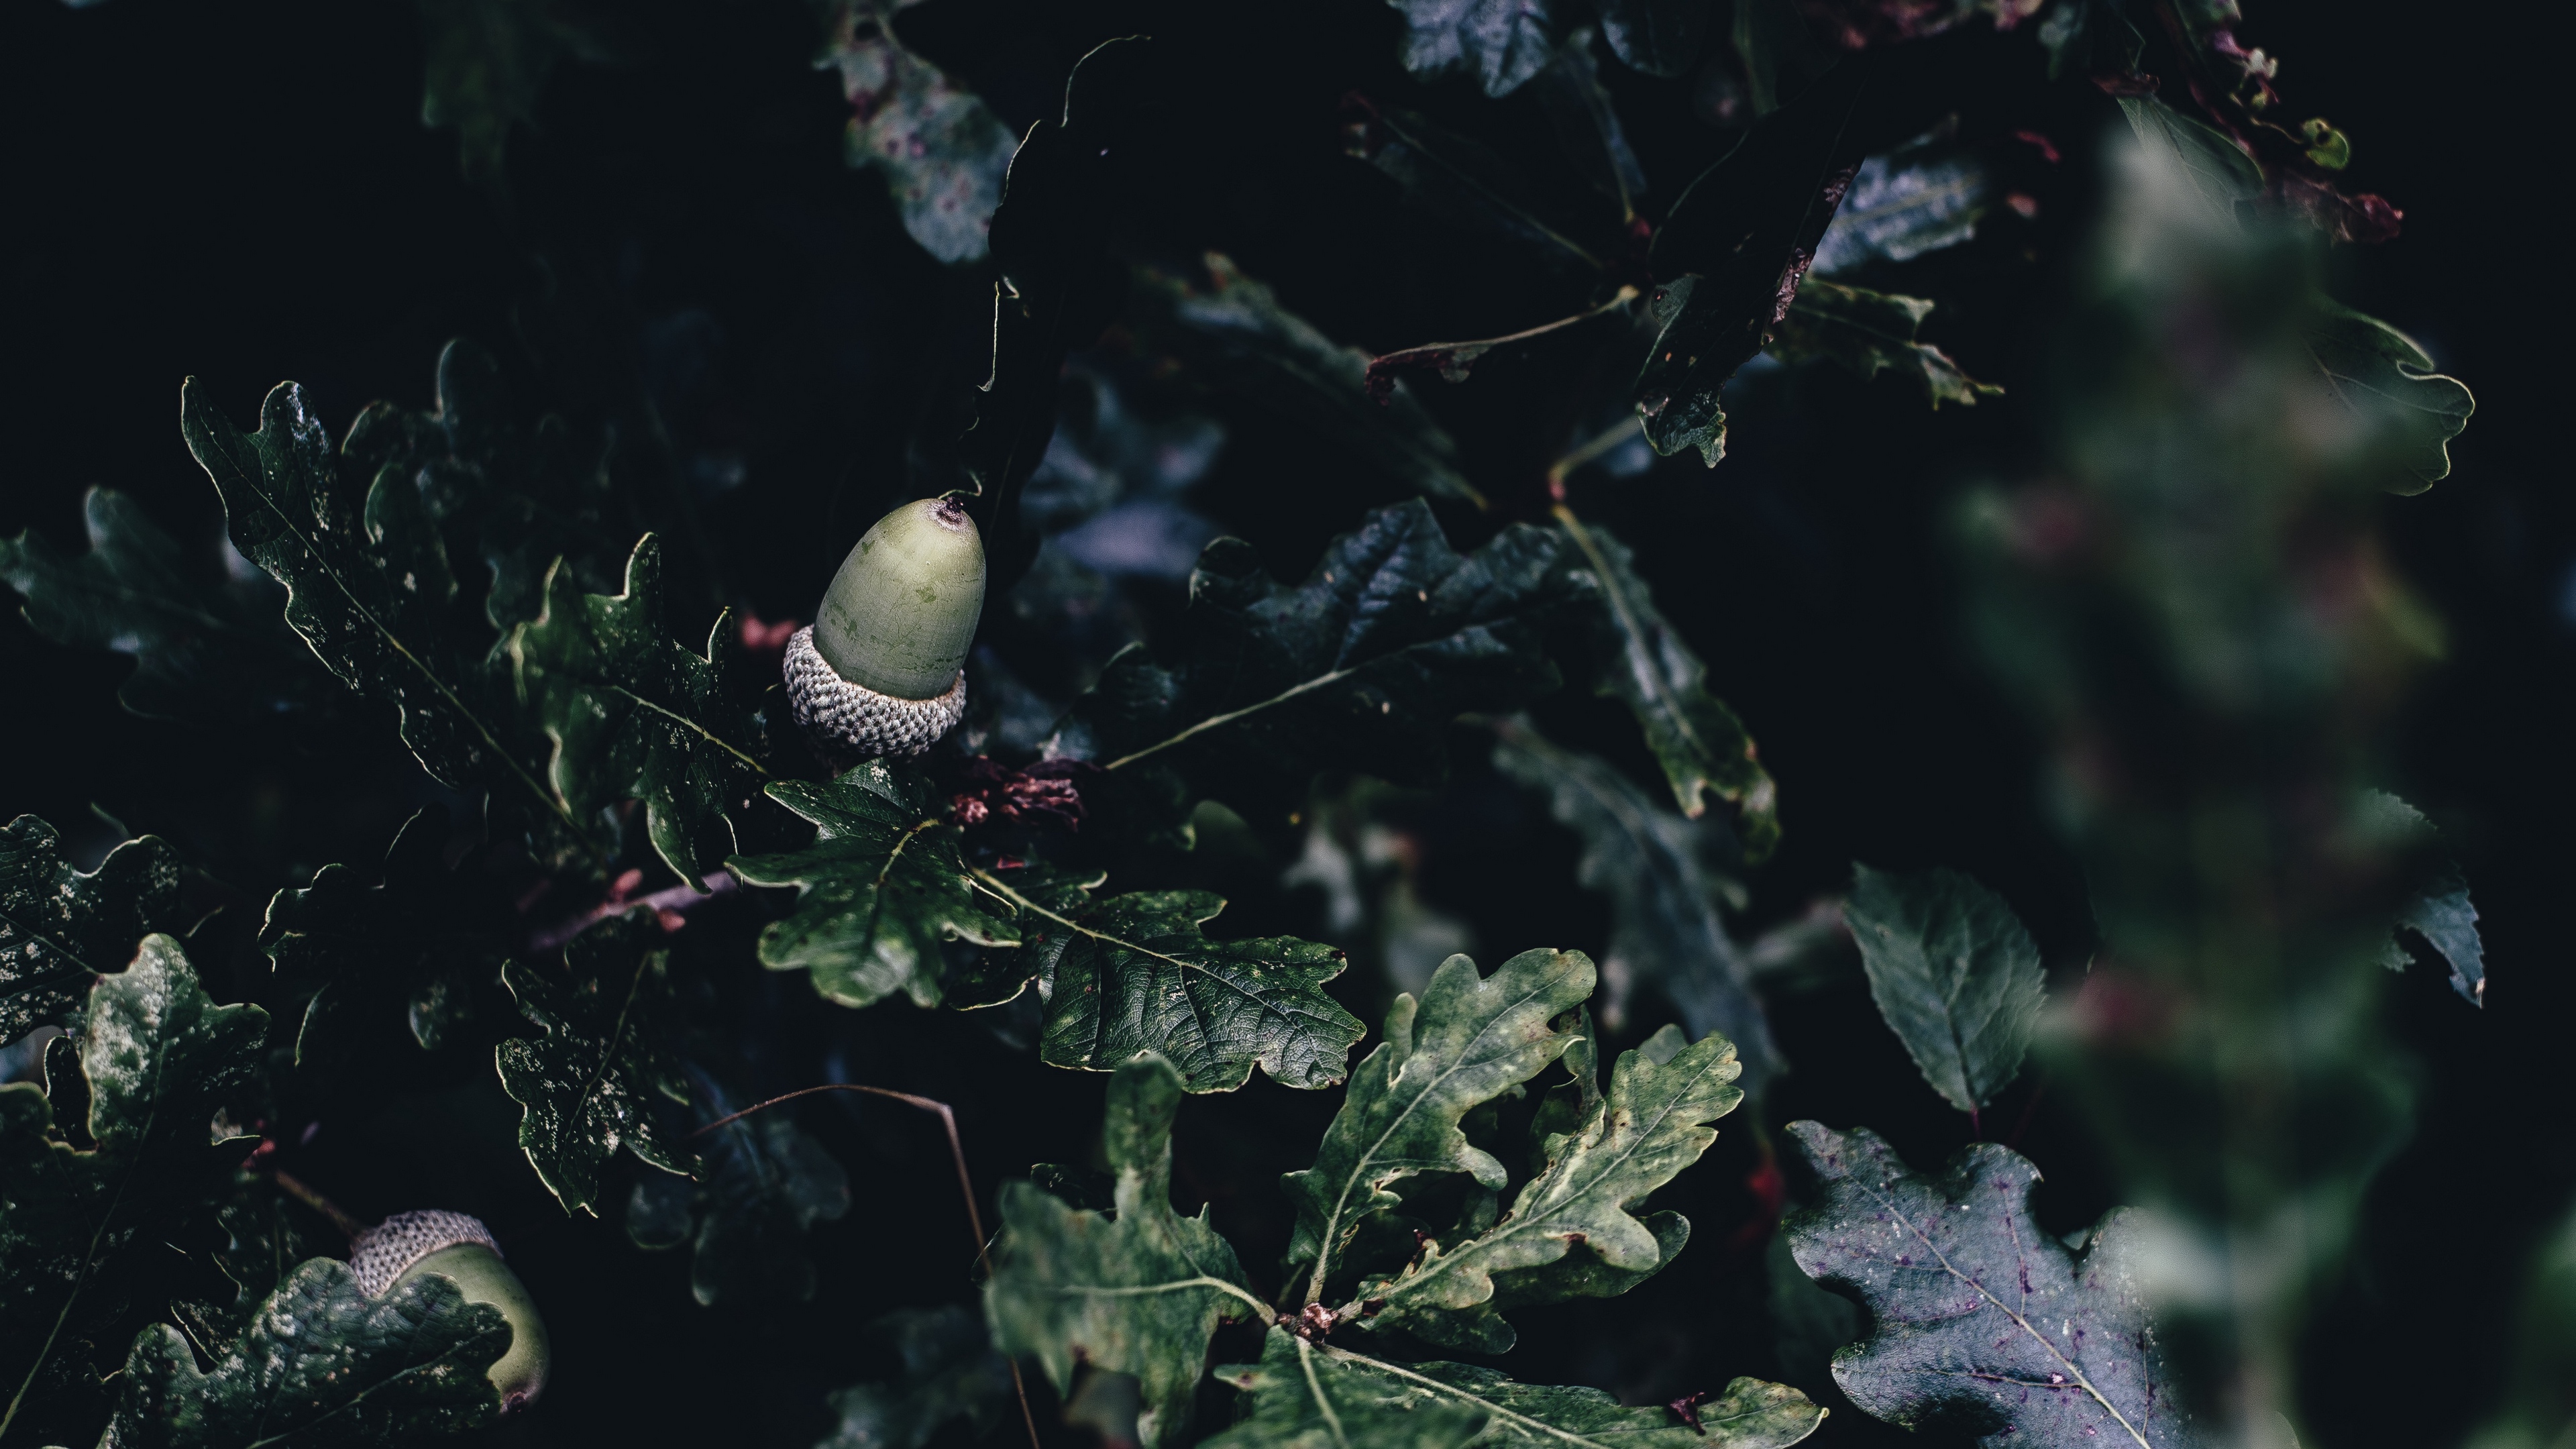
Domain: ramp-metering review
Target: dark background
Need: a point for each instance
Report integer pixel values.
(242, 190)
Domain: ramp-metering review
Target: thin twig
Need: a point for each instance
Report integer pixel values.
(965, 1186)
(298, 1189)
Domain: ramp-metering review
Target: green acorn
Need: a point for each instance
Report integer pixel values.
(454, 1246)
(881, 670)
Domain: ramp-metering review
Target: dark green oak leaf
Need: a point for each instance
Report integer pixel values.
(202, 645)
(635, 714)
(397, 960)
(1731, 254)
(1979, 1317)
(1667, 935)
(1139, 1292)
(1658, 37)
(369, 588)
(1059, 288)
(1316, 1396)
(1230, 333)
(763, 1184)
(258, 1236)
(879, 891)
(1703, 748)
(1870, 332)
(1502, 43)
(593, 1076)
(1392, 636)
(1954, 974)
(320, 1364)
(1650, 1124)
(949, 1372)
(61, 927)
(1134, 973)
(1468, 1040)
(83, 1228)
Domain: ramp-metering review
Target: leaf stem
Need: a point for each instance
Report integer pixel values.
(965, 1187)
(303, 1192)
(1440, 355)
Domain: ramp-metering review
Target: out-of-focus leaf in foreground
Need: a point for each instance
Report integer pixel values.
(1140, 1292)
(60, 927)
(80, 1227)
(1978, 1316)
(1666, 934)
(321, 1364)
(949, 1371)
(1954, 974)
(590, 1077)
(940, 148)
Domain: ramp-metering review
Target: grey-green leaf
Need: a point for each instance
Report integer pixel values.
(949, 1372)
(1666, 935)
(161, 1061)
(941, 149)
(635, 714)
(1500, 42)
(1650, 1124)
(60, 927)
(1871, 332)
(590, 1078)
(1137, 1293)
(1316, 1396)
(1976, 1314)
(1954, 974)
(2390, 385)
(764, 1183)
(880, 889)
(322, 1365)
(1468, 1040)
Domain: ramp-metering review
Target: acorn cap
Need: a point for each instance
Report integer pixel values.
(378, 1256)
(881, 670)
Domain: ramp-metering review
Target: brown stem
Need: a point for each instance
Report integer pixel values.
(965, 1186)
(298, 1189)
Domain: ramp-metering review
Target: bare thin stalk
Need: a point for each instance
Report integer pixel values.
(965, 1186)
(302, 1191)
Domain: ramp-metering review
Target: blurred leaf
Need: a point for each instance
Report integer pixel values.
(879, 891)
(1658, 37)
(1233, 334)
(1868, 332)
(1139, 1293)
(635, 714)
(324, 1365)
(2092, 40)
(1954, 974)
(2219, 171)
(1977, 1316)
(60, 927)
(407, 950)
(1780, 54)
(200, 648)
(1647, 1127)
(79, 1227)
(2389, 382)
(762, 1184)
(2539, 1405)
(1902, 204)
(1500, 42)
(1703, 748)
(1315, 1396)
(486, 63)
(940, 148)
(590, 1077)
(1587, 124)
(1468, 1040)
(1133, 974)
(949, 1371)
(1391, 637)
(369, 590)
(1731, 255)
(1666, 935)
(1059, 287)
(1858, 24)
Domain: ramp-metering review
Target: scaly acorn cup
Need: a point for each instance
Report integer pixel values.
(881, 670)
(454, 1246)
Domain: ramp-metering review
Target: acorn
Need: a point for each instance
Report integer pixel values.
(881, 670)
(457, 1247)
